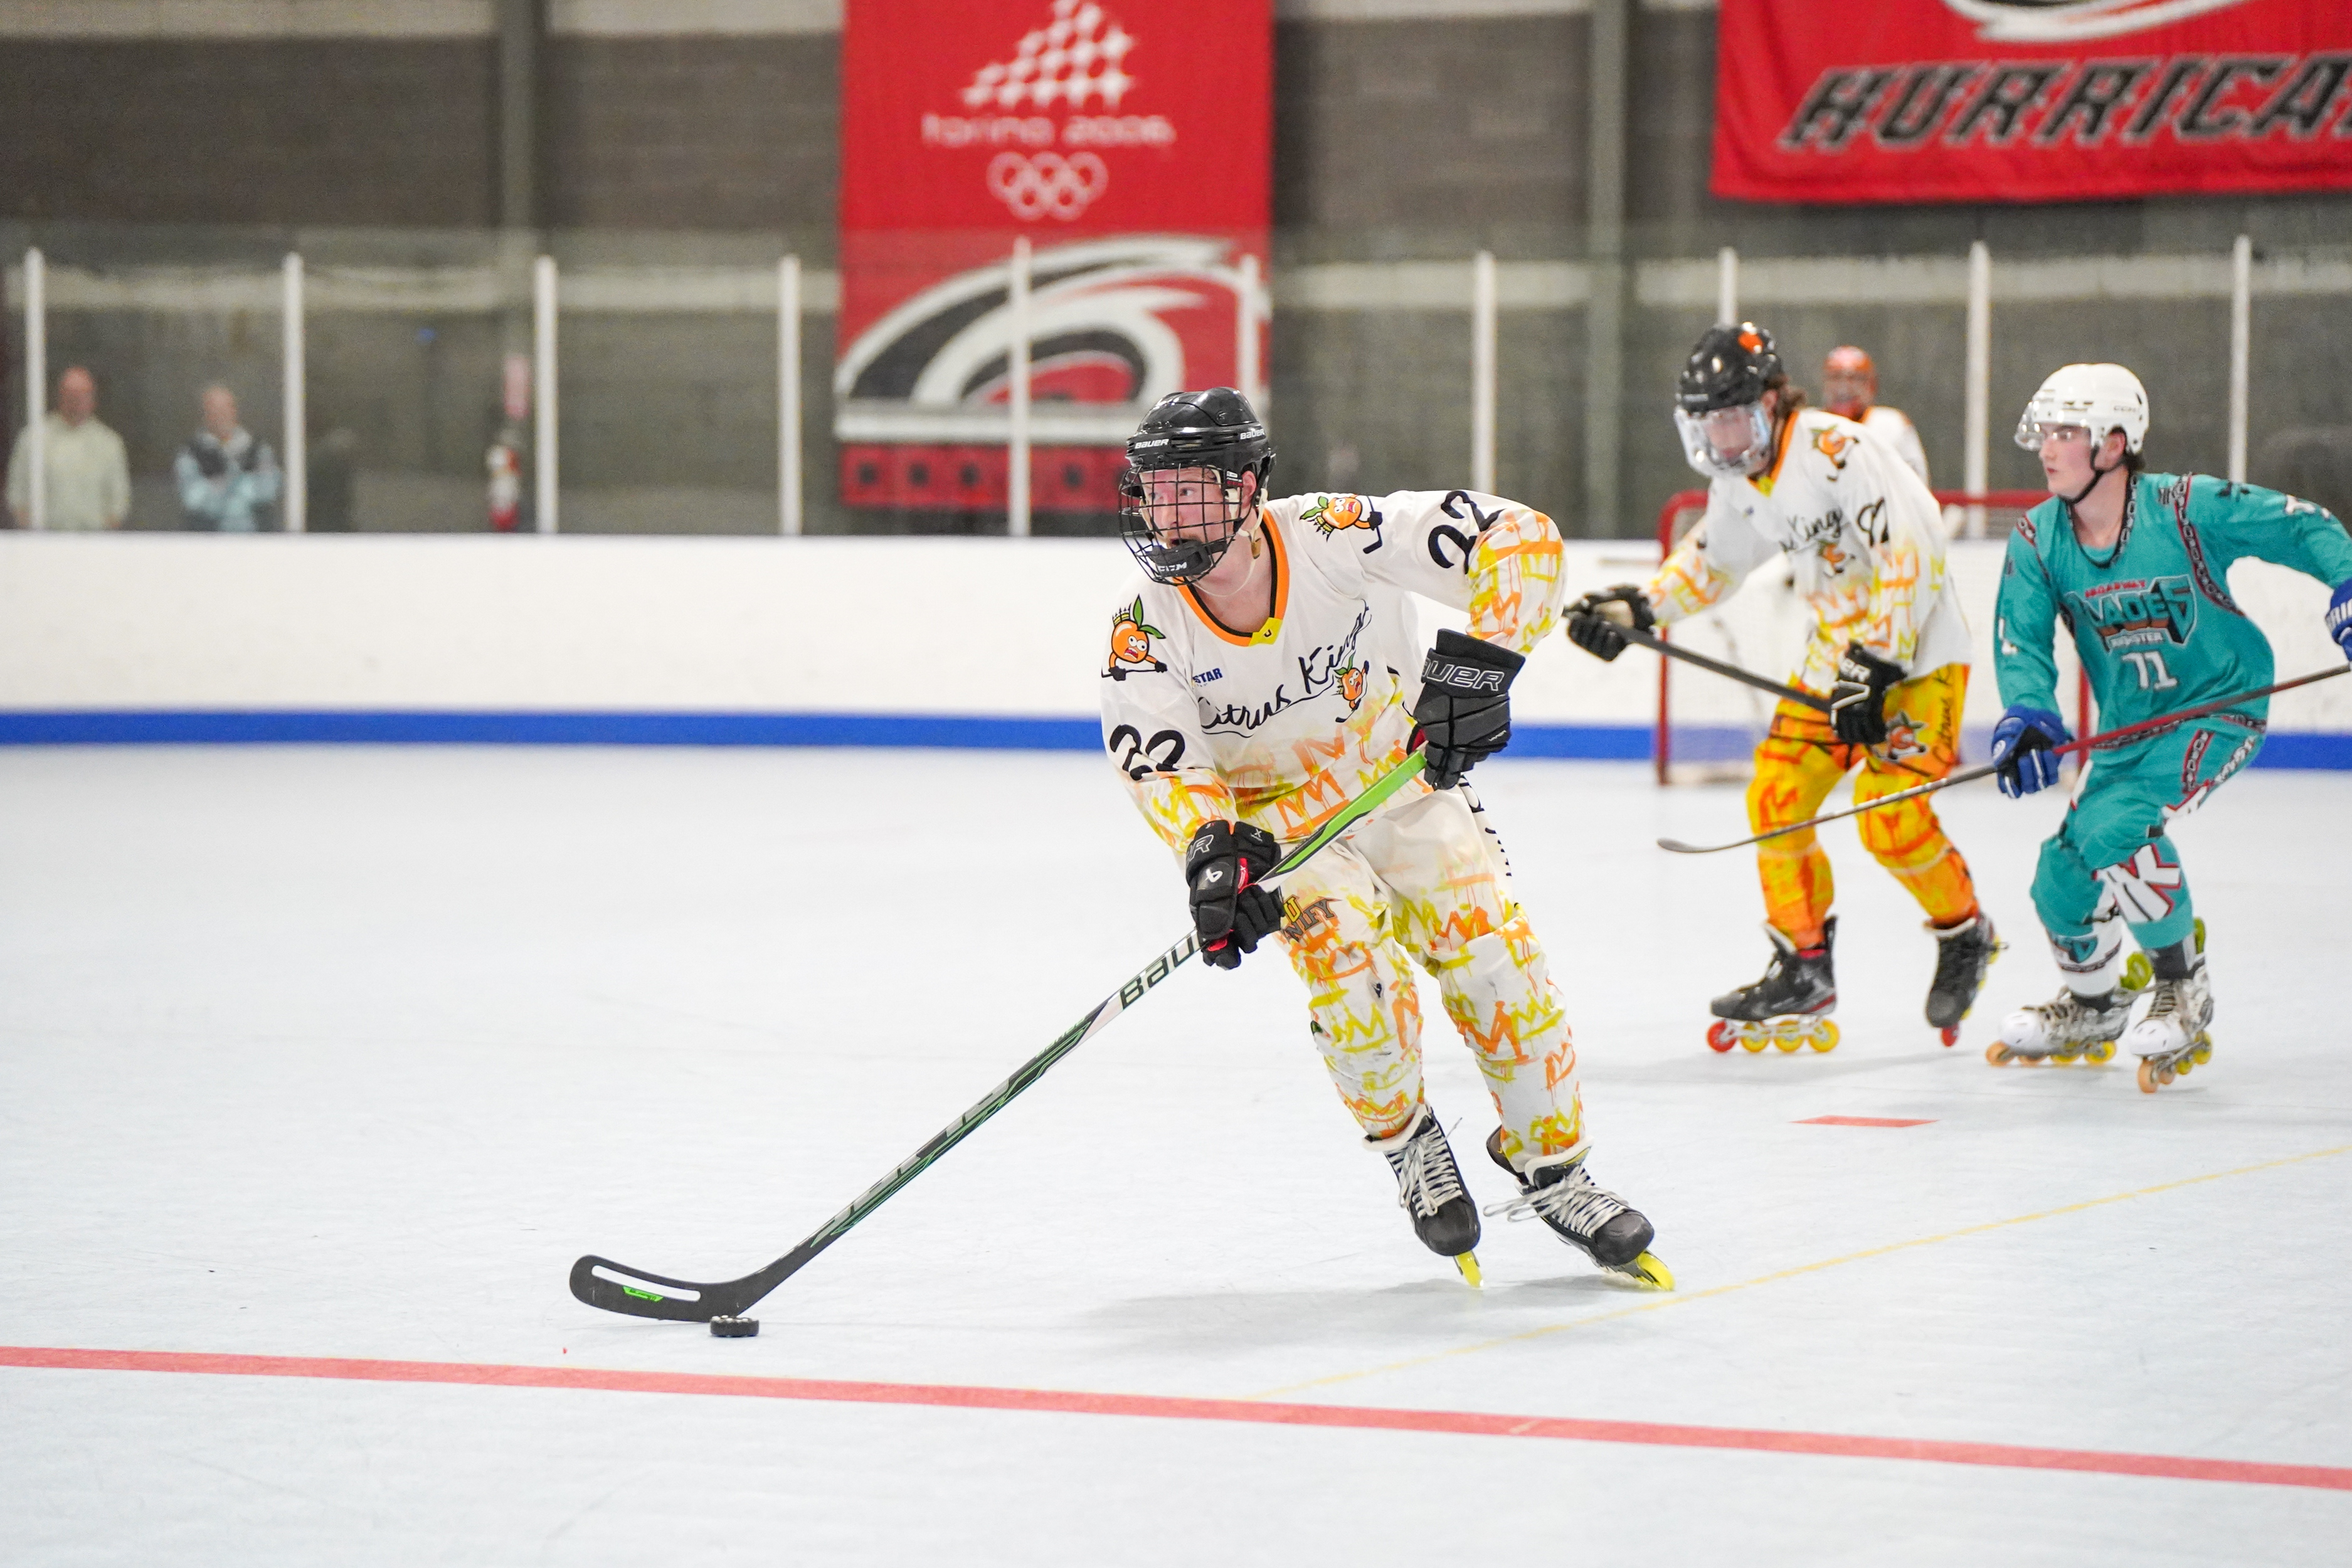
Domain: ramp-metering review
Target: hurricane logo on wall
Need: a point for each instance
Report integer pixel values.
(2058, 21)
(1113, 325)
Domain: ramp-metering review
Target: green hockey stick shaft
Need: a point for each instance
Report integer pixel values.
(615, 1287)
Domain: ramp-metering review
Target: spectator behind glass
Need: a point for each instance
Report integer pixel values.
(228, 482)
(89, 475)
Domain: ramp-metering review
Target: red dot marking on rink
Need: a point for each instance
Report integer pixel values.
(2325, 1477)
(1865, 1121)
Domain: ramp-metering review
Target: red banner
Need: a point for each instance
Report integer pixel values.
(1131, 145)
(2030, 100)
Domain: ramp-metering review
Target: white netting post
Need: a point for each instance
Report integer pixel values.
(295, 397)
(788, 396)
(1016, 454)
(543, 355)
(1726, 288)
(37, 391)
(1482, 373)
(1976, 461)
(1246, 349)
(2241, 334)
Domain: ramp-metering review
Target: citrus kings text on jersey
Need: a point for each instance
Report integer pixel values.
(1315, 704)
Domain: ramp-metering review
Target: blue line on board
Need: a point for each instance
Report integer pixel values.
(150, 726)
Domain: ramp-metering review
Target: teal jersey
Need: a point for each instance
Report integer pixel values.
(2154, 622)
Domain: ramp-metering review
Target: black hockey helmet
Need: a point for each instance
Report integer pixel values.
(1184, 530)
(1731, 366)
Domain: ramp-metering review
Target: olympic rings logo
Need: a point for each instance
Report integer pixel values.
(1048, 185)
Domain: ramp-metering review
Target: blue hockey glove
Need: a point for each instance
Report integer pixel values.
(2339, 616)
(2020, 750)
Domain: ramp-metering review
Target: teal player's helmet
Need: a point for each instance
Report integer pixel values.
(2096, 397)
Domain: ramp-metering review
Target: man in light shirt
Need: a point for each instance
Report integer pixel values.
(1850, 389)
(88, 472)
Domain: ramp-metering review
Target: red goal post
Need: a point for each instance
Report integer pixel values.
(1684, 508)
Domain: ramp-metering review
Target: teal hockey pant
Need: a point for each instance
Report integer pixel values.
(2111, 857)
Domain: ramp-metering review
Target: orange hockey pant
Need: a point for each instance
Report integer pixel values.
(1801, 759)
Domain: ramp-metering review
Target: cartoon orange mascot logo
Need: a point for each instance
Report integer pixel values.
(1832, 445)
(1352, 685)
(1330, 514)
(1130, 643)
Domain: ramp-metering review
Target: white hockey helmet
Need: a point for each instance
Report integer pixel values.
(2096, 397)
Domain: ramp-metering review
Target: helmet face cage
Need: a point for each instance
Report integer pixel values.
(1179, 517)
(1724, 442)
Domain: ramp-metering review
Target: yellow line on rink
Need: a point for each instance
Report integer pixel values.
(1661, 1301)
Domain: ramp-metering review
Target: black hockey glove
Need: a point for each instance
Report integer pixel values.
(1594, 629)
(1858, 700)
(1464, 712)
(1232, 907)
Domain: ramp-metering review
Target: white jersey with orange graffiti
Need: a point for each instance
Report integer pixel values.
(1862, 535)
(1901, 435)
(1283, 725)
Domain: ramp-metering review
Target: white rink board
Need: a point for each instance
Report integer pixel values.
(977, 626)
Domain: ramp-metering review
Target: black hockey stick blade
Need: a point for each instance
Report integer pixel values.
(617, 1288)
(1967, 776)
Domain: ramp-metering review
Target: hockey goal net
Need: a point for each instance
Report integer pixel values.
(1707, 727)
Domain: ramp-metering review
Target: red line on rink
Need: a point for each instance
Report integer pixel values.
(1864, 1121)
(1651, 1434)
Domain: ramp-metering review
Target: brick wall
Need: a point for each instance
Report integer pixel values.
(692, 132)
(248, 131)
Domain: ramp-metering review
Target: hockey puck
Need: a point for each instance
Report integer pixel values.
(734, 1328)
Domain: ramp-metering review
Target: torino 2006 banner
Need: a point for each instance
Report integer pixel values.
(1130, 143)
(2009, 100)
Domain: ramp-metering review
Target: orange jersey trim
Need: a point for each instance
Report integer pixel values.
(1273, 626)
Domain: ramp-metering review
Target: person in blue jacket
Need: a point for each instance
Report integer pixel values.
(2136, 565)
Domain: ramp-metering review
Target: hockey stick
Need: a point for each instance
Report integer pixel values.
(615, 1287)
(1965, 776)
(1745, 677)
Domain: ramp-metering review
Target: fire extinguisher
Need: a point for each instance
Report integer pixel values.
(506, 480)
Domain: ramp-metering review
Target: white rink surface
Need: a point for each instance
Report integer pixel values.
(348, 1053)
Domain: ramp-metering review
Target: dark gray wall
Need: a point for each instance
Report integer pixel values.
(393, 132)
(1393, 141)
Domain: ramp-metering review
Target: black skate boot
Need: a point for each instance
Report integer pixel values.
(1429, 1190)
(1789, 1007)
(1596, 1220)
(1963, 954)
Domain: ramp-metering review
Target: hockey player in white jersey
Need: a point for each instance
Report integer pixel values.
(1849, 390)
(1257, 679)
(1889, 652)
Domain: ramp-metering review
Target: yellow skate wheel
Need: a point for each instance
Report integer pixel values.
(2184, 1065)
(1789, 1040)
(2100, 1051)
(1753, 1044)
(1649, 1271)
(1999, 1055)
(2066, 1056)
(2202, 1054)
(2137, 972)
(1825, 1038)
(2147, 1078)
(1468, 1263)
